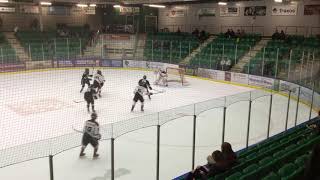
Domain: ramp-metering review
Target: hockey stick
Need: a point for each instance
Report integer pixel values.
(78, 101)
(159, 91)
(76, 130)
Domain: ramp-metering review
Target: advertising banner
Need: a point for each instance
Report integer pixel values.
(90, 10)
(129, 10)
(173, 13)
(255, 11)
(312, 9)
(38, 64)
(84, 63)
(239, 78)
(7, 9)
(64, 63)
(134, 64)
(29, 9)
(11, 67)
(260, 81)
(207, 12)
(111, 63)
(212, 74)
(229, 11)
(284, 10)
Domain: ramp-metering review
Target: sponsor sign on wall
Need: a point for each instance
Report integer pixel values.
(229, 11)
(111, 63)
(255, 11)
(311, 9)
(29, 9)
(134, 64)
(239, 78)
(7, 9)
(176, 13)
(206, 12)
(11, 67)
(129, 10)
(260, 81)
(285, 10)
(90, 10)
(212, 74)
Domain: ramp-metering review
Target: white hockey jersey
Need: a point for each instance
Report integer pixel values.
(92, 129)
(140, 89)
(99, 78)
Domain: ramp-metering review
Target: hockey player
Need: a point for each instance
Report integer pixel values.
(98, 82)
(162, 78)
(89, 97)
(145, 83)
(91, 135)
(138, 96)
(85, 79)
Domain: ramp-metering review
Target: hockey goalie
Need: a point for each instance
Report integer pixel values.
(162, 78)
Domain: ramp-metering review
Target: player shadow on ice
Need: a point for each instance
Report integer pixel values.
(118, 173)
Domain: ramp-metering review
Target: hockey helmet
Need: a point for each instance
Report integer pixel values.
(94, 115)
(144, 77)
(141, 83)
(99, 72)
(86, 70)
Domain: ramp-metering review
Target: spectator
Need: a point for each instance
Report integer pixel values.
(202, 36)
(312, 168)
(229, 155)
(216, 164)
(227, 34)
(315, 126)
(238, 34)
(232, 34)
(242, 34)
(276, 35)
(178, 31)
(196, 32)
(282, 35)
(16, 29)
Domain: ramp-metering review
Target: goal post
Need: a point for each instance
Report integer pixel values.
(176, 75)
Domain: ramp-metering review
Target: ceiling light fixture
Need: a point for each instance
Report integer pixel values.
(4, 1)
(82, 5)
(222, 3)
(278, 1)
(92, 5)
(157, 6)
(45, 3)
(116, 6)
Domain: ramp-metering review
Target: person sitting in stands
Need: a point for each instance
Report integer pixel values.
(282, 35)
(227, 34)
(202, 36)
(178, 31)
(276, 35)
(312, 167)
(232, 34)
(316, 125)
(216, 164)
(229, 155)
(196, 32)
(238, 34)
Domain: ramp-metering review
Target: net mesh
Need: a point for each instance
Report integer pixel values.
(176, 75)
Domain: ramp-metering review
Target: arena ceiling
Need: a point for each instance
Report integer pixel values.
(135, 1)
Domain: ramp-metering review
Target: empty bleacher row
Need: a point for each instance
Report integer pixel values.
(224, 48)
(48, 45)
(278, 55)
(7, 53)
(170, 47)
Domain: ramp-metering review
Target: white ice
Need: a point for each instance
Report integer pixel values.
(39, 105)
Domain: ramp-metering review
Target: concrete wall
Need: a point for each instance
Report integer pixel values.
(217, 23)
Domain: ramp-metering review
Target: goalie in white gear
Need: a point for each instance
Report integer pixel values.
(162, 78)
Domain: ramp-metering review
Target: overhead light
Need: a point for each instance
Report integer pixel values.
(222, 3)
(279, 1)
(4, 1)
(92, 5)
(116, 6)
(45, 3)
(82, 5)
(157, 6)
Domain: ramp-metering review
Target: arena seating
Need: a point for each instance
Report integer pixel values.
(298, 44)
(7, 53)
(224, 48)
(280, 157)
(47, 45)
(163, 45)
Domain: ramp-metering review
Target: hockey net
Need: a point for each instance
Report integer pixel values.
(176, 75)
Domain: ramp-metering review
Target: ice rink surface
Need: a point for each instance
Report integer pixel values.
(40, 105)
